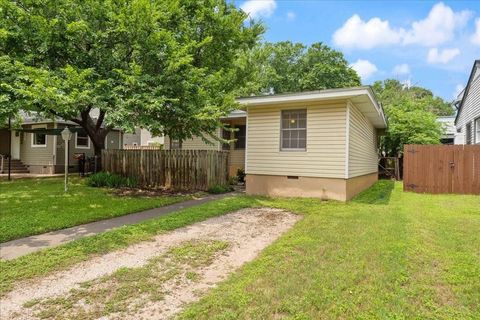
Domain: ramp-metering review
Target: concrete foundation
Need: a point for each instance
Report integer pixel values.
(308, 187)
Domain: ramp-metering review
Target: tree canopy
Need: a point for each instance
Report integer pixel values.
(169, 66)
(411, 114)
(293, 67)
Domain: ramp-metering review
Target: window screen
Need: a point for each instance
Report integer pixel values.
(294, 130)
(477, 130)
(175, 144)
(240, 137)
(468, 133)
(39, 139)
(82, 139)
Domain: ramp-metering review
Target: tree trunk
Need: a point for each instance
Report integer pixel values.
(94, 129)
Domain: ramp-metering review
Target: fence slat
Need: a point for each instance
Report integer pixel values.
(176, 169)
(442, 169)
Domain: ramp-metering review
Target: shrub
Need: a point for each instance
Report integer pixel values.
(111, 180)
(241, 175)
(218, 188)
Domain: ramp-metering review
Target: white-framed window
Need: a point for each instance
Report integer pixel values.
(293, 130)
(82, 141)
(477, 130)
(468, 133)
(175, 144)
(39, 140)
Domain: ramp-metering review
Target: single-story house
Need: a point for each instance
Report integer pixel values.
(320, 144)
(467, 121)
(42, 153)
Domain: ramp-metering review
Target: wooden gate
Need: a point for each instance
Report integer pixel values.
(442, 169)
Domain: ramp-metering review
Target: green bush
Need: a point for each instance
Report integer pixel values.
(218, 188)
(111, 180)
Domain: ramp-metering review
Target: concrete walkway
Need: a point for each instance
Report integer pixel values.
(19, 247)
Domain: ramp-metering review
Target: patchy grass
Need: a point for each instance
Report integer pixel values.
(385, 255)
(58, 258)
(129, 289)
(34, 206)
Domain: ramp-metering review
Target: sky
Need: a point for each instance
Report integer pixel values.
(426, 43)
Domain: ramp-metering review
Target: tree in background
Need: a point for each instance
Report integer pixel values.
(168, 66)
(411, 114)
(293, 67)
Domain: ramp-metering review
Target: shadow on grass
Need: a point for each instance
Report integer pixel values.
(379, 193)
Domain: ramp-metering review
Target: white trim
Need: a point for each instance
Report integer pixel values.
(347, 141)
(105, 141)
(54, 146)
(82, 147)
(328, 94)
(246, 142)
(32, 134)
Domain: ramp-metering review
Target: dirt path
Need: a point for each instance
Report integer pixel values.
(247, 231)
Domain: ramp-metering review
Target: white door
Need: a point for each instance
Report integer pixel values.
(15, 145)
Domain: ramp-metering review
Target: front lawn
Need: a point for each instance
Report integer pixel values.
(385, 255)
(381, 256)
(34, 206)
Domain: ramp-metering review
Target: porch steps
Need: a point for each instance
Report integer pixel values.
(17, 167)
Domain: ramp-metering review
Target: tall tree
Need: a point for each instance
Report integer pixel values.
(411, 114)
(293, 67)
(168, 66)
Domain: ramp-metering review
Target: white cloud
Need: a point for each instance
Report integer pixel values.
(356, 33)
(476, 36)
(291, 15)
(259, 8)
(444, 56)
(401, 69)
(364, 68)
(438, 27)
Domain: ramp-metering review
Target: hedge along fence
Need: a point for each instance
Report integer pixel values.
(174, 169)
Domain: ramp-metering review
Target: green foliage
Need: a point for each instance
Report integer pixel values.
(167, 66)
(111, 180)
(294, 67)
(218, 188)
(411, 115)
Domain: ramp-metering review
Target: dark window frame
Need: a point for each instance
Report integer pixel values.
(468, 133)
(240, 137)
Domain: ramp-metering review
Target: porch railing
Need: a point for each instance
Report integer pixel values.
(1, 162)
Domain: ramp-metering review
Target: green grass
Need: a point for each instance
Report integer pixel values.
(34, 206)
(385, 255)
(381, 256)
(58, 258)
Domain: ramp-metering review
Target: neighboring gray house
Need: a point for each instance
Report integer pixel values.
(467, 122)
(141, 137)
(44, 153)
(448, 124)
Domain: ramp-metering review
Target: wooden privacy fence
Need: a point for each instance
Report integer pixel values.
(175, 169)
(442, 169)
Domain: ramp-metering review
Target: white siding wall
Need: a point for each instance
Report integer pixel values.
(470, 110)
(362, 148)
(326, 137)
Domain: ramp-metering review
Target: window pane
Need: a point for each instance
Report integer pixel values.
(82, 139)
(294, 123)
(240, 137)
(39, 138)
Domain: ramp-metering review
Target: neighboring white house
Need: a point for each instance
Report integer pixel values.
(448, 124)
(467, 122)
(141, 137)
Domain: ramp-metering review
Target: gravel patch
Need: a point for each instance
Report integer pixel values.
(248, 231)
